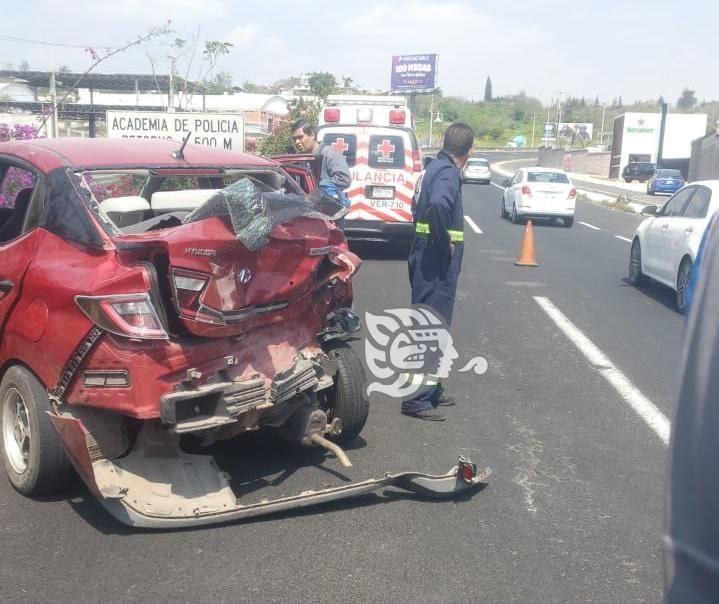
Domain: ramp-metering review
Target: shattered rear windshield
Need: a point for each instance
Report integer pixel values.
(254, 212)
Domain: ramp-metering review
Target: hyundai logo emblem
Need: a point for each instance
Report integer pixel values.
(244, 275)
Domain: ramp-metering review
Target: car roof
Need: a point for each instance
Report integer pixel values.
(541, 169)
(712, 184)
(49, 154)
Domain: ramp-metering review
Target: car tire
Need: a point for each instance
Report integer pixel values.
(515, 217)
(635, 276)
(650, 191)
(34, 458)
(346, 399)
(503, 212)
(627, 180)
(568, 221)
(683, 277)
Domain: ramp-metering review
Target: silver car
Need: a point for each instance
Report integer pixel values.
(477, 170)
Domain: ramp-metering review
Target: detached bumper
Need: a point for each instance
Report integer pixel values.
(159, 486)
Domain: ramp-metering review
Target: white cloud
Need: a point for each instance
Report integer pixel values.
(244, 35)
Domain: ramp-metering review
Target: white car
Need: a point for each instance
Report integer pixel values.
(477, 170)
(539, 193)
(665, 245)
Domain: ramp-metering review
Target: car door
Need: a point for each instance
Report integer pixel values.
(660, 233)
(685, 232)
(17, 190)
(301, 168)
(512, 190)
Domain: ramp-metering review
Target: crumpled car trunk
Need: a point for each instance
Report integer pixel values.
(248, 257)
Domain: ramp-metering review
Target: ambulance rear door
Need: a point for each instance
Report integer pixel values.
(382, 164)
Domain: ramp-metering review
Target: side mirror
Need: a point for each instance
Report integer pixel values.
(650, 210)
(507, 183)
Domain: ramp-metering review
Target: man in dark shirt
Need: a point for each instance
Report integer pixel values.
(435, 257)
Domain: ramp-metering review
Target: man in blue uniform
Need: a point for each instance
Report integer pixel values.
(435, 257)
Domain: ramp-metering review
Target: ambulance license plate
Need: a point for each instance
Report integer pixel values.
(380, 192)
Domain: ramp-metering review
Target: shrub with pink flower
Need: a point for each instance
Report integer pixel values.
(15, 179)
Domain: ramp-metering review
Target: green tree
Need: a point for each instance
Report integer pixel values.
(280, 140)
(488, 90)
(221, 83)
(322, 84)
(687, 101)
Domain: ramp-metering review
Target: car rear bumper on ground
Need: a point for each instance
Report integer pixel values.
(666, 188)
(379, 231)
(158, 485)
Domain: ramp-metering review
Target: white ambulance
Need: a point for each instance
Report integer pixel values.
(375, 135)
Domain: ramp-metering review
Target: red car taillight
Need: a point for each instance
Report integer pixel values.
(526, 191)
(572, 193)
(129, 315)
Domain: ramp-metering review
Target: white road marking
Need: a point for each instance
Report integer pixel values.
(623, 238)
(496, 185)
(647, 410)
(589, 226)
(474, 226)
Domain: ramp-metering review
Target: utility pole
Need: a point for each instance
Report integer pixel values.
(53, 100)
(601, 132)
(660, 150)
(534, 123)
(431, 119)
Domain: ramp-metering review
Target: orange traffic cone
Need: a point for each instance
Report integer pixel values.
(526, 254)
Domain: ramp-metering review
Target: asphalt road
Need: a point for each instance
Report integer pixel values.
(573, 510)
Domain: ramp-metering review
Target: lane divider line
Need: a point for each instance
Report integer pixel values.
(642, 406)
(472, 224)
(623, 238)
(589, 226)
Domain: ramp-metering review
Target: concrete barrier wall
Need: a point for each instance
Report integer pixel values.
(704, 163)
(580, 161)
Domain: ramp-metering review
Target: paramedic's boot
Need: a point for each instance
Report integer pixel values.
(446, 400)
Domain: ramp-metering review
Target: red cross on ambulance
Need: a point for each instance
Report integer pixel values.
(340, 145)
(385, 149)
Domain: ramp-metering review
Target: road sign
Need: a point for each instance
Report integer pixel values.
(221, 130)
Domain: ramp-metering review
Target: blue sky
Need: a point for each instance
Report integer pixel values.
(639, 49)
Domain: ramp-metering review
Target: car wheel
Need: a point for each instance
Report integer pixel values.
(650, 191)
(636, 277)
(515, 217)
(627, 180)
(346, 399)
(503, 212)
(683, 277)
(568, 221)
(34, 458)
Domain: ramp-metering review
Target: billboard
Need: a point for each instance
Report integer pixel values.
(414, 73)
(568, 132)
(580, 132)
(222, 130)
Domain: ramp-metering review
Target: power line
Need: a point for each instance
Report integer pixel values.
(44, 43)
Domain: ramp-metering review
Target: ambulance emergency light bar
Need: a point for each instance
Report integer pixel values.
(397, 117)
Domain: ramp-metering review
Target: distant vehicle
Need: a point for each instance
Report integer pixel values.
(638, 170)
(477, 170)
(539, 193)
(665, 245)
(665, 181)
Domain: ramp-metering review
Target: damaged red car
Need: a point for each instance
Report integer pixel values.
(149, 292)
